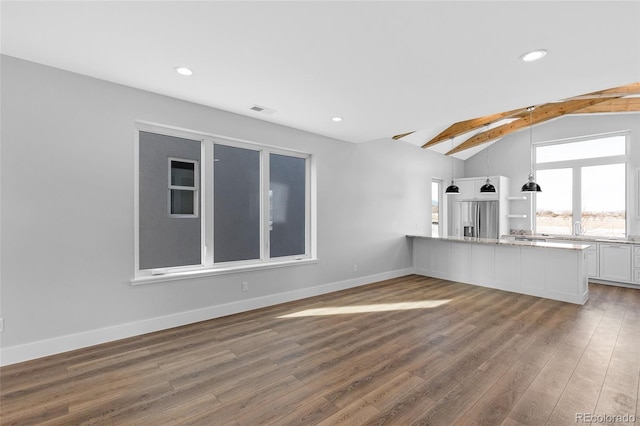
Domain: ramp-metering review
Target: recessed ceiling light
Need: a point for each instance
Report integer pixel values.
(183, 70)
(534, 55)
(336, 119)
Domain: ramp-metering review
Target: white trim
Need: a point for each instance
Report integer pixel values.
(587, 162)
(313, 207)
(265, 206)
(41, 348)
(206, 203)
(585, 137)
(136, 200)
(175, 274)
(148, 126)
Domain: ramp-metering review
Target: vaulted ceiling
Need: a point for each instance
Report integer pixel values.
(489, 128)
(385, 67)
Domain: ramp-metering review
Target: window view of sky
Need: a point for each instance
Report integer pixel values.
(592, 195)
(593, 148)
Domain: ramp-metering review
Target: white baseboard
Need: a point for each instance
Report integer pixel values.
(42, 348)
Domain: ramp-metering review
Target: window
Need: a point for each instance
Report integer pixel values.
(236, 205)
(228, 204)
(603, 200)
(580, 150)
(583, 187)
(435, 207)
(287, 195)
(554, 205)
(183, 188)
(167, 238)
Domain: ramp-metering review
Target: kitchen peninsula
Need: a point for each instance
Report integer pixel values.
(551, 270)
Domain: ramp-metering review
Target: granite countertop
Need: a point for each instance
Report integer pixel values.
(560, 238)
(508, 242)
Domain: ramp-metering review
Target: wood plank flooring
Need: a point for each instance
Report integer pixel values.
(412, 350)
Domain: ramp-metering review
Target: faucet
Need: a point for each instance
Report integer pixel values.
(577, 228)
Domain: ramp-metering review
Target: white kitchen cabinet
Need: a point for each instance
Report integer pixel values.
(467, 189)
(592, 261)
(512, 266)
(470, 188)
(615, 262)
(636, 264)
(479, 183)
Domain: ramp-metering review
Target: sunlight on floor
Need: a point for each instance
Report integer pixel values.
(359, 309)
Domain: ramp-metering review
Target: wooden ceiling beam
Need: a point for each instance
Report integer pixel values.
(402, 135)
(604, 101)
(541, 114)
(612, 106)
(463, 127)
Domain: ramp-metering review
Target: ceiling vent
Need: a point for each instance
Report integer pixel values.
(263, 110)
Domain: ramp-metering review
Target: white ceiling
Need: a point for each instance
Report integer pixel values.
(385, 67)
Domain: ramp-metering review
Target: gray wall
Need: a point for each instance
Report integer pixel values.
(510, 156)
(67, 207)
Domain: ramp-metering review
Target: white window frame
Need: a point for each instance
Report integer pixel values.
(440, 207)
(209, 230)
(576, 167)
(206, 208)
(194, 188)
(307, 202)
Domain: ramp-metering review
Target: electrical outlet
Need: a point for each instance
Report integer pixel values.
(244, 286)
(355, 268)
(1, 325)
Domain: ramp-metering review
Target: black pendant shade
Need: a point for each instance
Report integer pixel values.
(452, 189)
(531, 186)
(487, 187)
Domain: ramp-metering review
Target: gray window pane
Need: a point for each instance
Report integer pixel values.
(182, 173)
(165, 241)
(236, 228)
(182, 201)
(287, 188)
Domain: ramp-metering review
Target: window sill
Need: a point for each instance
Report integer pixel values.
(186, 275)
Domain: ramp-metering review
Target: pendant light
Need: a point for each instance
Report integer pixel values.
(531, 185)
(452, 189)
(487, 187)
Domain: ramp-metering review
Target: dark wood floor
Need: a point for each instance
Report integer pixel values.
(412, 350)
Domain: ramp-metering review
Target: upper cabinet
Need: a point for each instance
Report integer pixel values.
(470, 188)
(467, 189)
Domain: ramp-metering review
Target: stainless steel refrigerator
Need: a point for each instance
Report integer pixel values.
(476, 219)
